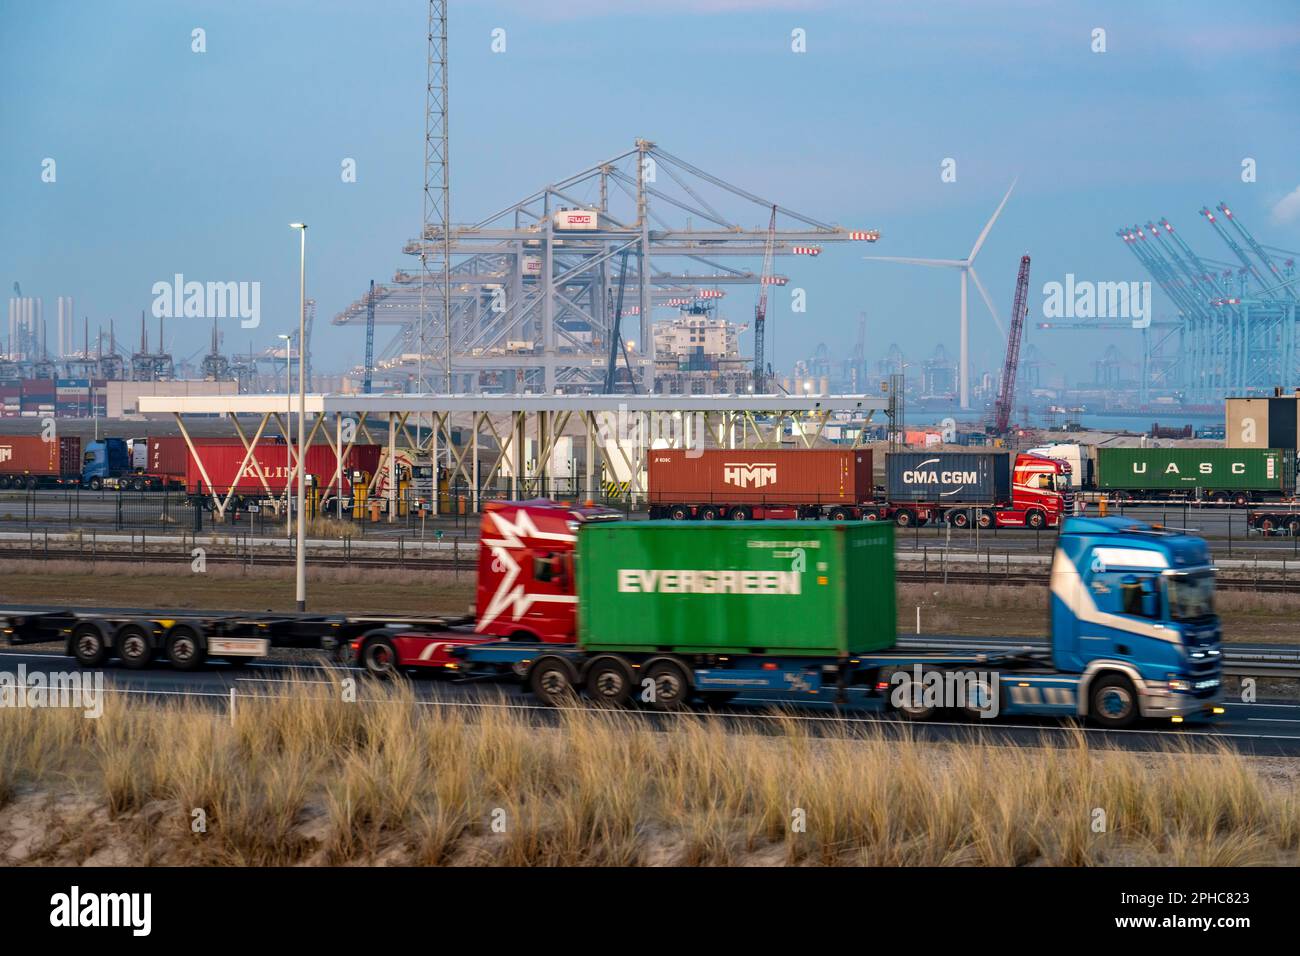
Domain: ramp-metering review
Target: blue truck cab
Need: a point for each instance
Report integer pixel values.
(1134, 603)
(102, 460)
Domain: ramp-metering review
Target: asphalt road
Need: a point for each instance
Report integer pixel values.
(1270, 728)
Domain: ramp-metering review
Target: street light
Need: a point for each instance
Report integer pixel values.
(288, 434)
(302, 415)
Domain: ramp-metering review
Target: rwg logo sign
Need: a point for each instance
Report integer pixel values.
(747, 475)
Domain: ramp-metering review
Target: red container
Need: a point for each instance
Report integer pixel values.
(756, 477)
(222, 463)
(32, 455)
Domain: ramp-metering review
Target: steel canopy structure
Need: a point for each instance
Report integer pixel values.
(487, 438)
(533, 285)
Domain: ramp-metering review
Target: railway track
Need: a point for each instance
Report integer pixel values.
(414, 561)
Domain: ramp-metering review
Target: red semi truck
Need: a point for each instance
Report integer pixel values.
(986, 488)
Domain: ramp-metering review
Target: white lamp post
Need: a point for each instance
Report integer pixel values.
(302, 416)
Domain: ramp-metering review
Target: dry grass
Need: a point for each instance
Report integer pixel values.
(311, 779)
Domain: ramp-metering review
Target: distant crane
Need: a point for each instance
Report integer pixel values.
(760, 310)
(1019, 309)
(370, 340)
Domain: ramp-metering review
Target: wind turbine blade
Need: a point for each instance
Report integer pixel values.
(950, 263)
(989, 225)
(987, 300)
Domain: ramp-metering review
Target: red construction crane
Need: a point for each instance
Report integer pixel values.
(1007, 393)
(760, 309)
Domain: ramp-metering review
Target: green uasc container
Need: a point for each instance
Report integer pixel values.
(1220, 469)
(822, 589)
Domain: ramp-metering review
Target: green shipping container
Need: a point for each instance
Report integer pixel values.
(1215, 469)
(776, 587)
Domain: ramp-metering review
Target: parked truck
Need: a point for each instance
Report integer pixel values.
(665, 613)
(112, 463)
(990, 489)
(1232, 476)
(31, 461)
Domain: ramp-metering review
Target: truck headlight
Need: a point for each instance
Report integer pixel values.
(1180, 685)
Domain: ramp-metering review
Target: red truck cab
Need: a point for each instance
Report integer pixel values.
(525, 591)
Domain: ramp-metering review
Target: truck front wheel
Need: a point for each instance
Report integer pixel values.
(1035, 520)
(1113, 702)
(984, 519)
(96, 484)
(380, 658)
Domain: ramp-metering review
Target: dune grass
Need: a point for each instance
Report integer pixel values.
(308, 778)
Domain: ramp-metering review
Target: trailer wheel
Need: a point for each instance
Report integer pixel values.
(137, 484)
(609, 681)
(1241, 499)
(379, 656)
(135, 646)
(739, 513)
(839, 514)
(31, 484)
(1035, 520)
(904, 518)
(870, 516)
(908, 701)
(984, 519)
(671, 687)
(1112, 701)
(1293, 527)
(88, 645)
(679, 513)
(709, 513)
(4, 481)
(959, 518)
(185, 649)
(1265, 525)
(553, 682)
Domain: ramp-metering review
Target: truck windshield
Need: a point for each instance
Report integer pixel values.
(1191, 595)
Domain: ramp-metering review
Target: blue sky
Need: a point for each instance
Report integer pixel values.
(171, 161)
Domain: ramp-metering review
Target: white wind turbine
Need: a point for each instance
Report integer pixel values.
(967, 267)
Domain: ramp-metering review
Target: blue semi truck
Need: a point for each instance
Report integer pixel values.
(107, 463)
(1134, 634)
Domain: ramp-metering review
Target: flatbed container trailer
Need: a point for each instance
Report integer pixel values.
(29, 461)
(1238, 476)
(667, 613)
(187, 639)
